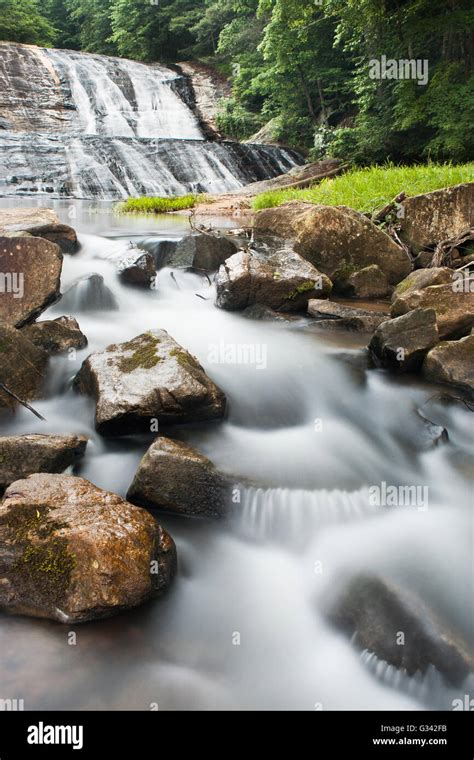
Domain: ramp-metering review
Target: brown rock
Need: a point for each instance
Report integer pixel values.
(30, 272)
(345, 317)
(137, 269)
(22, 367)
(441, 215)
(452, 362)
(401, 344)
(423, 278)
(369, 282)
(454, 310)
(72, 552)
(23, 455)
(56, 336)
(38, 222)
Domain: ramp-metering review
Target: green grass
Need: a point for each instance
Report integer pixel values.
(371, 188)
(157, 204)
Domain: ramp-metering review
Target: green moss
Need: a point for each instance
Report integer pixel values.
(183, 358)
(303, 288)
(144, 354)
(344, 271)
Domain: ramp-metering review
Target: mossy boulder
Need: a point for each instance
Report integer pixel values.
(174, 477)
(282, 281)
(73, 552)
(30, 275)
(367, 283)
(148, 380)
(22, 367)
(452, 362)
(24, 455)
(401, 344)
(454, 308)
(423, 278)
(56, 336)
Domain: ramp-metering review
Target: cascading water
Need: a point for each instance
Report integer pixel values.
(244, 625)
(93, 126)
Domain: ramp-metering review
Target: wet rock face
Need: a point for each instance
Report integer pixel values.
(437, 216)
(377, 611)
(22, 367)
(201, 252)
(23, 455)
(401, 344)
(73, 552)
(452, 362)
(30, 274)
(342, 317)
(88, 293)
(56, 336)
(336, 239)
(150, 378)
(282, 281)
(174, 477)
(454, 310)
(137, 269)
(369, 282)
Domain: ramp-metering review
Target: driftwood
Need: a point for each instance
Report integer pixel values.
(20, 401)
(443, 253)
(308, 181)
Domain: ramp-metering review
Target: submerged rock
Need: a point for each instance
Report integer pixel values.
(454, 310)
(88, 293)
(72, 552)
(377, 611)
(150, 378)
(441, 215)
(401, 344)
(283, 281)
(336, 239)
(137, 268)
(22, 367)
(56, 336)
(345, 317)
(452, 362)
(23, 455)
(30, 274)
(174, 477)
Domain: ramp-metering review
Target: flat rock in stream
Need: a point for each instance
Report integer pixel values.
(401, 344)
(22, 367)
(56, 336)
(150, 378)
(73, 552)
(377, 610)
(283, 281)
(38, 222)
(175, 477)
(341, 317)
(30, 275)
(24, 455)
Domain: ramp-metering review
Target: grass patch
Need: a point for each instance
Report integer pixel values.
(371, 188)
(158, 204)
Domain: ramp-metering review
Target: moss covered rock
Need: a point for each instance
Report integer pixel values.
(56, 336)
(72, 552)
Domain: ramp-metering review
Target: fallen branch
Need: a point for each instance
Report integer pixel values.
(379, 216)
(308, 181)
(442, 255)
(20, 401)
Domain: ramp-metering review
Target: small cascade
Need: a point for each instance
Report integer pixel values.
(88, 293)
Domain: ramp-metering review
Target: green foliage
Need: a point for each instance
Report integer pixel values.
(23, 21)
(158, 205)
(372, 187)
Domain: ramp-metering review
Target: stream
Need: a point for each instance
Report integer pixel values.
(243, 626)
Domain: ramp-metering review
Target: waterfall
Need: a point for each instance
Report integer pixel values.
(78, 125)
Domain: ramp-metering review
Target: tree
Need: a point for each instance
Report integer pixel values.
(22, 21)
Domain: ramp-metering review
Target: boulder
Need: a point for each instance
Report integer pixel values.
(23, 455)
(336, 239)
(174, 477)
(137, 268)
(30, 274)
(282, 281)
(452, 362)
(38, 222)
(401, 344)
(72, 552)
(433, 217)
(22, 367)
(423, 278)
(201, 252)
(454, 309)
(88, 293)
(345, 317)
(369, 282)
(146, 379)
(56, 336)
(376, 611)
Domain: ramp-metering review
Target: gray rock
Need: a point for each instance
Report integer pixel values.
(201, 252)
(88, 293)
(423, 278)
(345, 317)
(174, 477)
(72, 552)
(138, 268)
(401, 344)
(56, 336)
(23, 455)
(452, 363)
(454, 309)
(148, 378)
(282, 281)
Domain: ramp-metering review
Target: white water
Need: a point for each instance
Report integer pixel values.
(267, 572)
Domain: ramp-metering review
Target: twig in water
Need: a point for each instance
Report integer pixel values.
(20, 401)
(174, 280)
(200, 296)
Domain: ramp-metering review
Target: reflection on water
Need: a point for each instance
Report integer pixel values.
(242, 627)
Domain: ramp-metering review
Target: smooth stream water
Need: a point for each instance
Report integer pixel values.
(317, 431)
